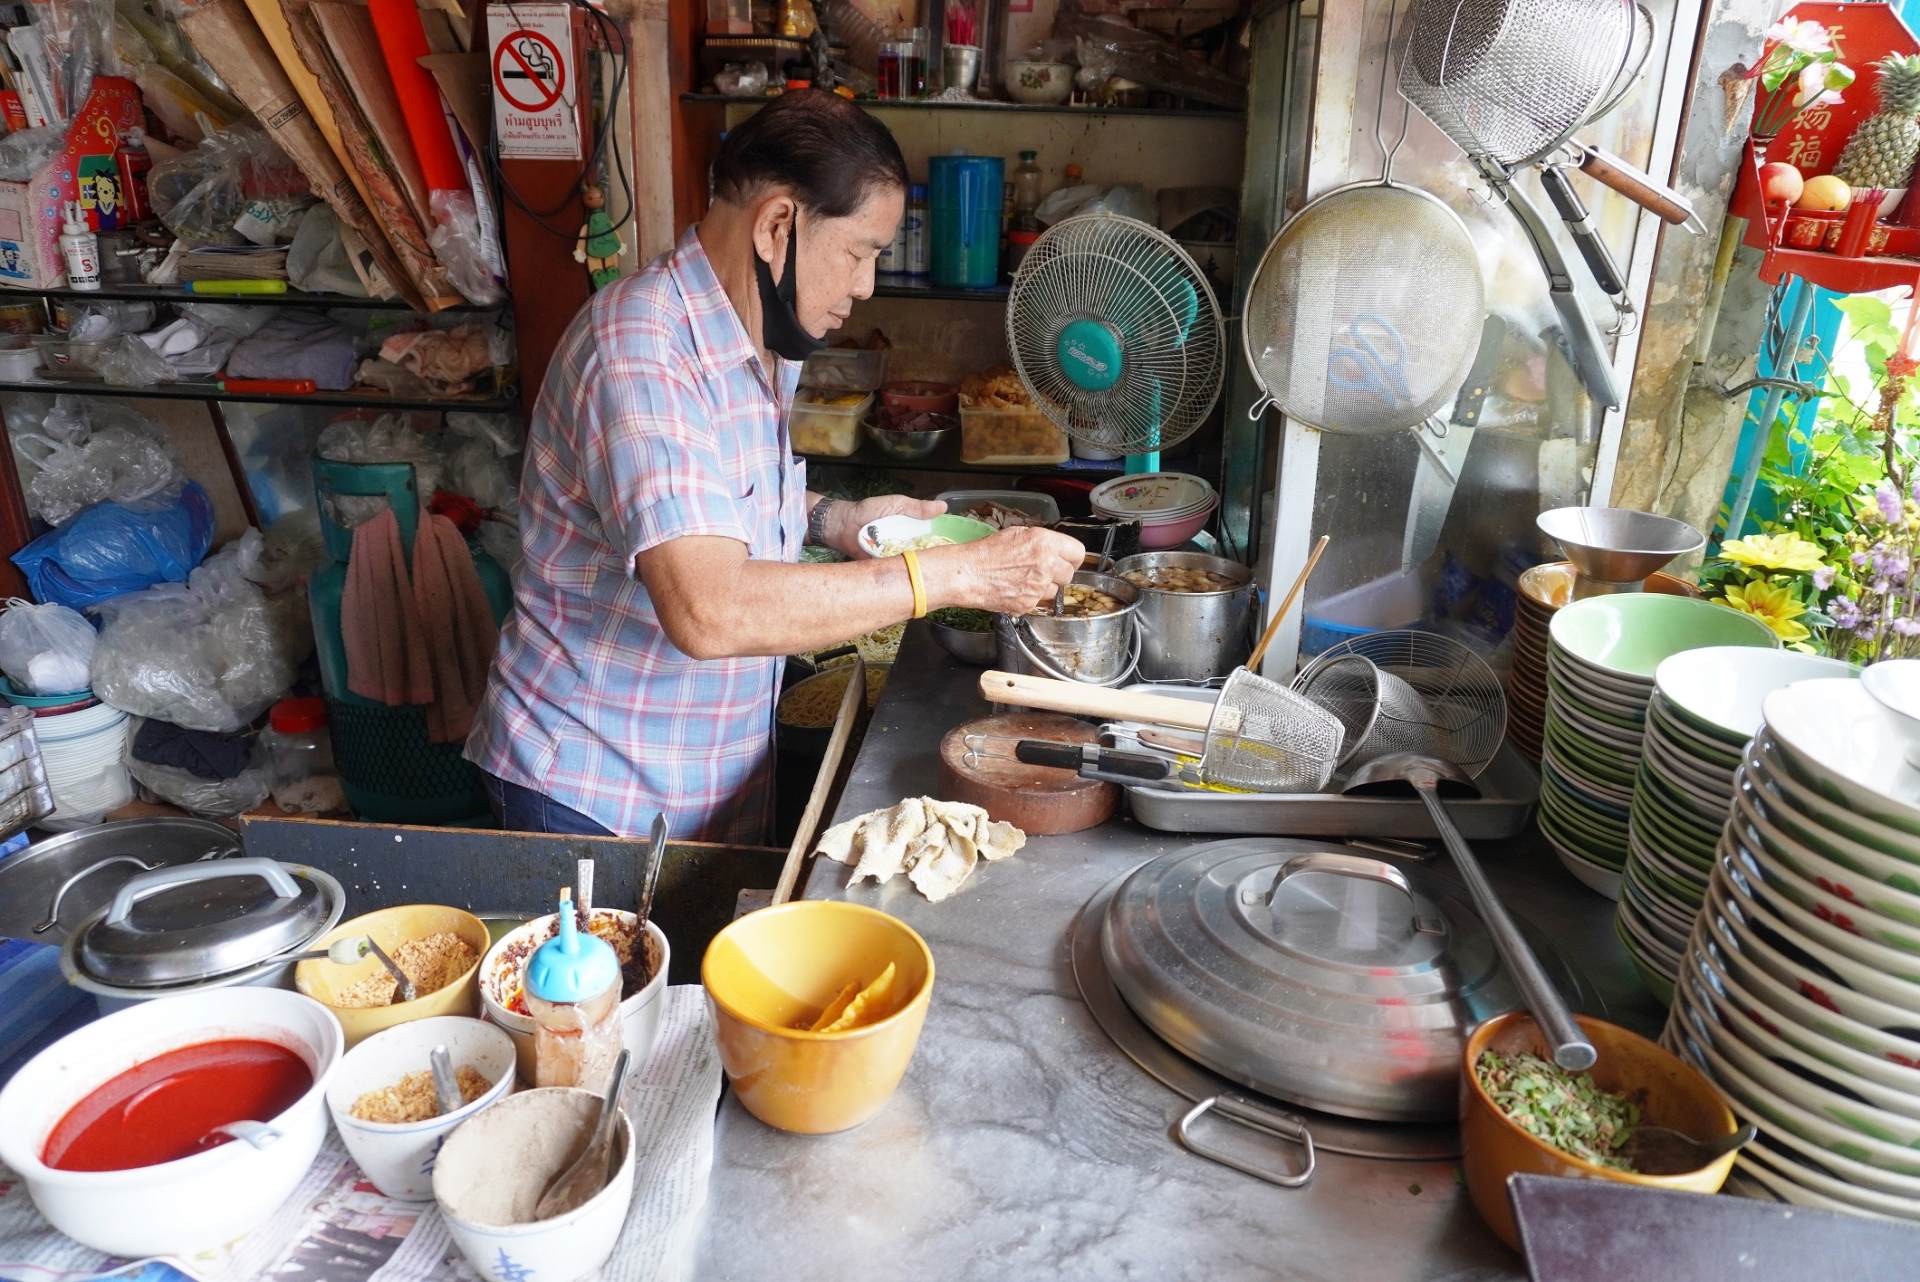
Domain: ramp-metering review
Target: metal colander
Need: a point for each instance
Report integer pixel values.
(1510, 80)
(1266, 738)
(1410, 691)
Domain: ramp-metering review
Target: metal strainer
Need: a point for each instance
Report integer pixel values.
(1407, 691)
(1365, 312)
(1267, 738)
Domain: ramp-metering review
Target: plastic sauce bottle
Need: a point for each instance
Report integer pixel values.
(573, 994)
(81, 250)
(1028, 188)
(919, 253)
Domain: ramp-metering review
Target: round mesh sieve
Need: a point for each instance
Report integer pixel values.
(1432, 695)
(1267, 738)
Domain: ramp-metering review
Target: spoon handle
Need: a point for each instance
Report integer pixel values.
(446, 1087)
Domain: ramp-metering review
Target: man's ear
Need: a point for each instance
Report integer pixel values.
(772, 225)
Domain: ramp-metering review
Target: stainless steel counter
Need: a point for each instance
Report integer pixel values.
(1023, 1144)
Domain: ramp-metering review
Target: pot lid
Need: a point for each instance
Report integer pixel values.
(197, 921)
(1306, 972)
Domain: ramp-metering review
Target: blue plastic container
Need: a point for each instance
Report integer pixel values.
(964, 200)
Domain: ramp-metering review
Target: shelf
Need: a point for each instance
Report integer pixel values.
(208, 392)
(174, 294)
(906, 289)
(947, 459)
(925, 104)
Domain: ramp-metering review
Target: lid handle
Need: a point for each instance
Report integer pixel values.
(141, 885)
(1359, 868)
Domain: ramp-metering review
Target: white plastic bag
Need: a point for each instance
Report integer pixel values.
(86, 453)
(46, 649)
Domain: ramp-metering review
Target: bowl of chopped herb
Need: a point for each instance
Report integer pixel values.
(965, 634)
(1519, 1112)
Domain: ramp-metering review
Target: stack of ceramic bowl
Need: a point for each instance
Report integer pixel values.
(1799, 992)
(1544, 589)
(84, 754)
(1171, 507)
(1706, 705)
(1601, 659)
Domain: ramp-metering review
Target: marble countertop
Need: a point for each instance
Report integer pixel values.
(1023, 1144)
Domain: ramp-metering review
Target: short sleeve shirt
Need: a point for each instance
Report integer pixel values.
(656, 421)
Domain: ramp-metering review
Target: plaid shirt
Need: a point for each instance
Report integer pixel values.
(655, 422)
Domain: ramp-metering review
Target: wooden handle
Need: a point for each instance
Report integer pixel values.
(852, 699)
(1094, 701)
(1611, 171)
(1273, 624)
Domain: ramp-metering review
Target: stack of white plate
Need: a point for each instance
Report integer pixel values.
(1601, 659)
(1799, 993)
(85, 758)
(1170, 506)
(1705, 707)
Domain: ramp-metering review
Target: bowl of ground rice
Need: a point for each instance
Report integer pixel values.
(383, 1104)
(439, 949)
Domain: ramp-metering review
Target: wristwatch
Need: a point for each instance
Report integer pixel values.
(817, 522)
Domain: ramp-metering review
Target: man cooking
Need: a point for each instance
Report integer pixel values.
(662, 509)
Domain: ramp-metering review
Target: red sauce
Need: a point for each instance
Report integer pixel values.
(160, 1109)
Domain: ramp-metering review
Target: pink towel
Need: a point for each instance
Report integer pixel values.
(459, 625)
(380, 622)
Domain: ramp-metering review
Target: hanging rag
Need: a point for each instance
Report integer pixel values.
(379, 621)
(459, 625)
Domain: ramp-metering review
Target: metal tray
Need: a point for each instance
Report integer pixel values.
(1509, 787)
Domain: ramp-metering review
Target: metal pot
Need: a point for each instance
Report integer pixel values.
(97, 861)
(1192, 636)
(1101, 650)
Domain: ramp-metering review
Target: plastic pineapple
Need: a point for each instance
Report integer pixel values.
(1883, 148)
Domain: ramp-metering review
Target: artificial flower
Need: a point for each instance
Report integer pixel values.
(1820, 85)
(1802, 34)
(1774, 552)
(1823, 577)
(1778, 608)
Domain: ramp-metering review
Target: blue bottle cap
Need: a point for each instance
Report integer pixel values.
(916, 191)
(571, 967)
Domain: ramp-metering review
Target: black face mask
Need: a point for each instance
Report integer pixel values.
(780, 329)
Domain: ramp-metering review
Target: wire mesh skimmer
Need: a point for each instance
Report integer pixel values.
(1409, 691)
(1267, 738)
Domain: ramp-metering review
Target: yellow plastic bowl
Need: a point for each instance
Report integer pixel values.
(780, 967)
(322, 980)
(1671, 1093)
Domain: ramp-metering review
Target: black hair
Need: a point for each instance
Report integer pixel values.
(822, 148)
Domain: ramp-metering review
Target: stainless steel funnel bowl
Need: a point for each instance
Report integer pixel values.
(1613, 549)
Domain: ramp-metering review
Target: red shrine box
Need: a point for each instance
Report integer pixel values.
(30, 212)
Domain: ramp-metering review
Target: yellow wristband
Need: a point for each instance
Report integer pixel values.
(912, 559)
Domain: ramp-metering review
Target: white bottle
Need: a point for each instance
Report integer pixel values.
(81, 249)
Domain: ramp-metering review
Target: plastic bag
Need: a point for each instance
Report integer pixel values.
(108, 319)
(468, 247)
(212, 654)
(209, 798)
(479, 451)
(203, 193)
(25, 152)
(111, 549)
(129, 362)
(83, 455)
(388, 439)
(317, 260)
(46, 649)
(79, 36)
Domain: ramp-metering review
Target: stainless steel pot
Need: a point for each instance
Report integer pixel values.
(1101, 650)
(1192, 636)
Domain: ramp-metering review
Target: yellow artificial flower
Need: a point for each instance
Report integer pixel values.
(1774, 552)
(1778, 608)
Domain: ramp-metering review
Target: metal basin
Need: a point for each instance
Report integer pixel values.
(1192, 636)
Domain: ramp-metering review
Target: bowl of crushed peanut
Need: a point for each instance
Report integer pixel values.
(438, 948)
(383, 1103)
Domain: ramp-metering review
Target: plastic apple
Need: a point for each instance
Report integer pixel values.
(1780, 183)
(1826, 193)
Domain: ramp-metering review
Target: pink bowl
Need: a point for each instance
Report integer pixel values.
(1158, 536)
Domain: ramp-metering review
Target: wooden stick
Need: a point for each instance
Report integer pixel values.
(1273, 624)
(851, 701)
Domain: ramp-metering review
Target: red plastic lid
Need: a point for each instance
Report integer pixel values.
(298, 716)
(1022, 237)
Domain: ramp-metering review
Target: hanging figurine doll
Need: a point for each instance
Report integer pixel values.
(599, 247)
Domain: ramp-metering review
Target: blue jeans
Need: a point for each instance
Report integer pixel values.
(521, 809)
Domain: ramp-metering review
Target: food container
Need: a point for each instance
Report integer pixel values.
(921, 397)
(1171, 507)
(500, 974)
(830, 431)
(1100, 650)
(1673, 1094)
(399, 1156)
(1191, 636)
(74, 357)
(196, 1203)
(1041, 507)
(780, 967)
(19, 358)
(199, 926)
(1039, 83)
(492, 1170)
(846, 369)
(907, 447)
(976, 646)
(820, 694)
(323, 980)
(1010, 438)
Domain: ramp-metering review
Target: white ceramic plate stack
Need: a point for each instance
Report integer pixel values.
(1799, 992)
(85, 757)
(1706, 705)
(1170, 506)
(1601, 659)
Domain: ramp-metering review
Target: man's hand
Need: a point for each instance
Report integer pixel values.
(844, 519)
(1010, 572)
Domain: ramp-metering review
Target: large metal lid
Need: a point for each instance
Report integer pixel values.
(1341, 982)
(197, 921)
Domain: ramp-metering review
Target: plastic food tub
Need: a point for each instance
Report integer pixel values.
(60, 354)
(846, 369)
(1010, 438)
(831, 431)
(1040, 507)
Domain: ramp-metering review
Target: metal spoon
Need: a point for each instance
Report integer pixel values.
(446, 1087)
(258, 1134)
(591, 1171)
(407, 991)
(1661, 1150)
(650, 875)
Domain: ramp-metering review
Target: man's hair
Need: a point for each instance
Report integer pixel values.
(822, 148)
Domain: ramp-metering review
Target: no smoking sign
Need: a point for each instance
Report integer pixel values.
(535, 113)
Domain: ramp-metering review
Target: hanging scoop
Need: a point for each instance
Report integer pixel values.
(1614, 549)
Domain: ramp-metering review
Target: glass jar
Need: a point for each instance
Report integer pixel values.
(1029, 185)
(300, 757)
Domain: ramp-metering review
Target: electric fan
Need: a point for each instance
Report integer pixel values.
(1116, 336)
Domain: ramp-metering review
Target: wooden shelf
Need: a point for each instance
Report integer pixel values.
(928, 104)
(190, 391)
(175, 294)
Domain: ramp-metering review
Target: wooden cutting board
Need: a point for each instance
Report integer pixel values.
(1039, 800)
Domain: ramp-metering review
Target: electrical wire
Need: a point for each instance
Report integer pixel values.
(592, 167)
